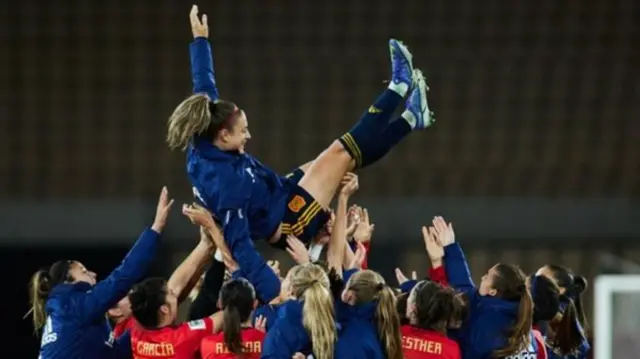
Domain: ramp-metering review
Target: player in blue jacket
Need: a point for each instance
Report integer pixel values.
(70, 307)
(307, 318)
(251, 200)
(369, 321)
(500, 310)
(565, 334)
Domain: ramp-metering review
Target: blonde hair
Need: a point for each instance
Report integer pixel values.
(369, 286)
(198, 115)
(39, 288)
(310, 283)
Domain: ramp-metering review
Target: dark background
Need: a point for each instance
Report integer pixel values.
(535, 154)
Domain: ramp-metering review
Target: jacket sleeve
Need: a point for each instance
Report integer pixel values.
(202, 74)
(253, 266)
(457, 269)
(104, 295)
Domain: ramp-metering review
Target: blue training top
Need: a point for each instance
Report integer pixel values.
(247, 197)
(489, 319)
(76, 325)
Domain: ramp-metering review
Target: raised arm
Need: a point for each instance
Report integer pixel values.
(202, 74)
(253, 266)
(192, 265)
(338, 241)
(455, 264)
(104, 295)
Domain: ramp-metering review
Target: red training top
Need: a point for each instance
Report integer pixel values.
(122, 327)
(213, 346)
(176, 341)
(425, 344)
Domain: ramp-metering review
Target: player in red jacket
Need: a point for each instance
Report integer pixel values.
(239, 339)
(154, 307)
(430, 310)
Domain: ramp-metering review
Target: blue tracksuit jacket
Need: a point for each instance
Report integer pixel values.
(247, 197)
(358, 337)
(76, 325)
(489, 317)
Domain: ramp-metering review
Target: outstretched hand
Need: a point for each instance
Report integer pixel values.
(199, 28)
(162, 210)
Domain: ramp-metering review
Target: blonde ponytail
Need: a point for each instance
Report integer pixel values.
(388, 321)
(191, 117)
(310, 283)
(318, 319)
(369, 286)
(39, 288)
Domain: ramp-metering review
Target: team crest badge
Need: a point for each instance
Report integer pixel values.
(296, 204)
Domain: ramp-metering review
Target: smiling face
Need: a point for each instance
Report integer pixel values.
(236, 135)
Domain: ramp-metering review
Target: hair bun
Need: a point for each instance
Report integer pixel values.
(579, 284)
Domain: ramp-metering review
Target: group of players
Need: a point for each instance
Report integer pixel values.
(322, 308)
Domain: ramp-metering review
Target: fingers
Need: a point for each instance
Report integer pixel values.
(164, 195)
(400, 276)
(440, 224)
(434, 234)
(205, 21)
(193, 15)
(168, 206)
(425, 233)
(365, 216)
(294, 242)
(414, 275)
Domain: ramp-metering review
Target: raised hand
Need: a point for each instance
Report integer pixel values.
(199, 216)
(353, 219)
(433, 246)
(364, 229)
(297, 250)
(443, 231)
(198, 28)
(402, 278)
(162, 210)
(349, 184)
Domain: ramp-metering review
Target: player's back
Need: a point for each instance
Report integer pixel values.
(175, 341)
(425, 344)
(213, 346)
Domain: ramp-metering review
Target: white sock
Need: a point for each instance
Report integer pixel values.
(410, 118)
(399, 88)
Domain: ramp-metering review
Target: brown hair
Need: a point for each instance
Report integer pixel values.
(568, 329)
(310, 283)
(369, 286)
(198, 115)
(510, 283)
(40, 285)
(436, 307)
(574, 286)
